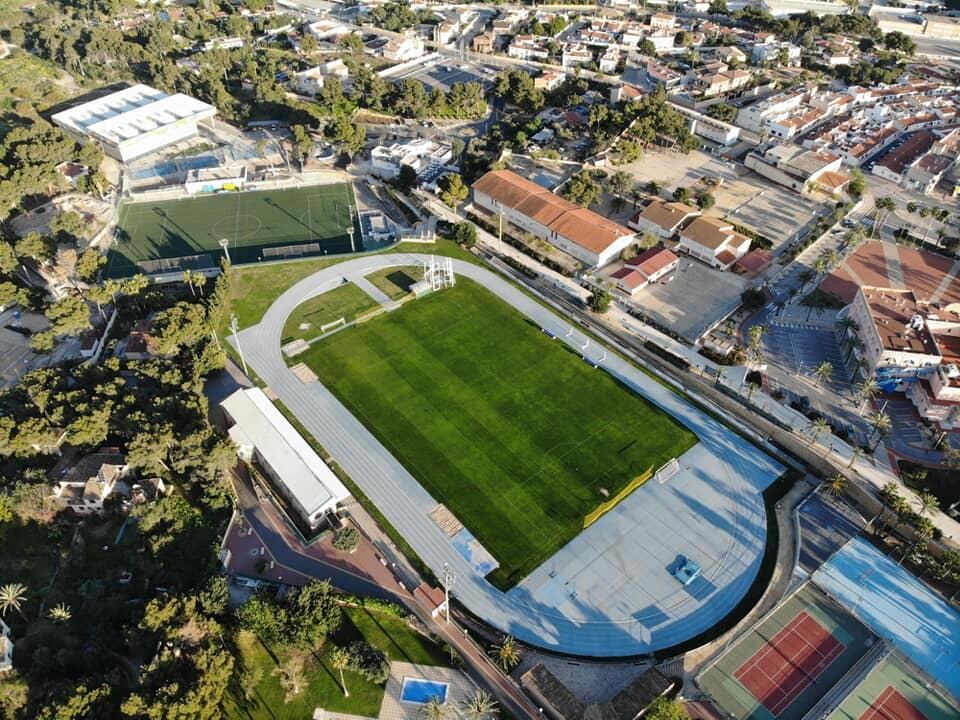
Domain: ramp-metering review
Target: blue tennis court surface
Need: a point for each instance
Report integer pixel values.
(417, 690)
(897, 607)
(826, 524)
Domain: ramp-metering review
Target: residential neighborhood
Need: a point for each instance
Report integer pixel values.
(417, 361)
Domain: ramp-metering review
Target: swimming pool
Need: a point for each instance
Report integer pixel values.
(420, 691)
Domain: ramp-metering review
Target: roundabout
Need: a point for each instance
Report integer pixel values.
(608, 592)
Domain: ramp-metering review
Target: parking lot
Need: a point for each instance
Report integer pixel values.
(691, 299)
(801, 349)
(442, 73)
(775, 213)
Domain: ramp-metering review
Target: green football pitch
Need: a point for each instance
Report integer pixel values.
(317, 219)
(516, 435)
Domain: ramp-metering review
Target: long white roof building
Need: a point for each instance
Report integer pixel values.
(260, 430)
(135, 121)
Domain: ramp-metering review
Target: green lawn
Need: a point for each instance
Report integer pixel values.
(254, 288)
(396, 282)
(346, 301)
(510, 430)
(390, 634)
(251, 221)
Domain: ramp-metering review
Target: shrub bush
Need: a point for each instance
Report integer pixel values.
(346, 539)
(368, 661)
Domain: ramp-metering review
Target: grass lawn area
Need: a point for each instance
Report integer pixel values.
(346, 301)
(512, 432)
(396, 282)
(390, 634)
(254, 288)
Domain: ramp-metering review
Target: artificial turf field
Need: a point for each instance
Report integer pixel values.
(251, 221)
(515, 434)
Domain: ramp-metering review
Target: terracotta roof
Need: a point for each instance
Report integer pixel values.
(726, 257)
(754, 261)
(917, 144)
(712, 233)
(629, 277)
(583, 227)
(833, 180)
(653, 260)
(666, 214)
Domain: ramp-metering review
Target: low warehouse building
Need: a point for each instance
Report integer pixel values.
(135, 121)
(590, 238)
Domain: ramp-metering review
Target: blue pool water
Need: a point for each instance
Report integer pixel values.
(416, 690)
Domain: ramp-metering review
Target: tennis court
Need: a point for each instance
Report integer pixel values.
(257, 225)
(897, 606)
(790, 661)
(894, 690)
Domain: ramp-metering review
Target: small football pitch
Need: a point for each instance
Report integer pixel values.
(514, 433)
(317, 219)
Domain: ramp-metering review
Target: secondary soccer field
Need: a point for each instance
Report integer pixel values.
(515, 434)
(318, 216)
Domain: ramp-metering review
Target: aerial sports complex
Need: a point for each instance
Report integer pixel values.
(581, 505)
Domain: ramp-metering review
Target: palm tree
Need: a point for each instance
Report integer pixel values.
(912, 208)
(479, 706)
(883, 207)
(823, 371)
(806, 276)
(818, 426)
(194, 280)
(836, 484)
(436, 709)
(507, 653)
(855, 455)
(60, 613)
(868, 388)
(881, 425)
(845, 325)
(929, 503)
(756, 336)
(12, 597)
(855, 238)
(340, 660)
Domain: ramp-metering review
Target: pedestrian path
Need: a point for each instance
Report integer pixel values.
(372, 290)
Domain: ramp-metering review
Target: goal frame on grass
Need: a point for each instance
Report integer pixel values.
(670, 468)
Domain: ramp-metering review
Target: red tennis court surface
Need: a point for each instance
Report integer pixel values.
(790, 661)
(891, 705)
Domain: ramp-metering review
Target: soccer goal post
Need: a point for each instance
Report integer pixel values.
(668, 470)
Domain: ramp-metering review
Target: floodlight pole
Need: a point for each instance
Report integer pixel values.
(448, 579)
(234, 326)
(225, 244)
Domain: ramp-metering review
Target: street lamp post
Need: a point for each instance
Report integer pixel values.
(448, 578)
(234, 326)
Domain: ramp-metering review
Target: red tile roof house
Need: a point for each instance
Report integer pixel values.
(714, 241)
(647, 267)
(663, 219)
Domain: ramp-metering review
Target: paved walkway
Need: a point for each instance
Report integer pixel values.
(372, 290)
(711, 509)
